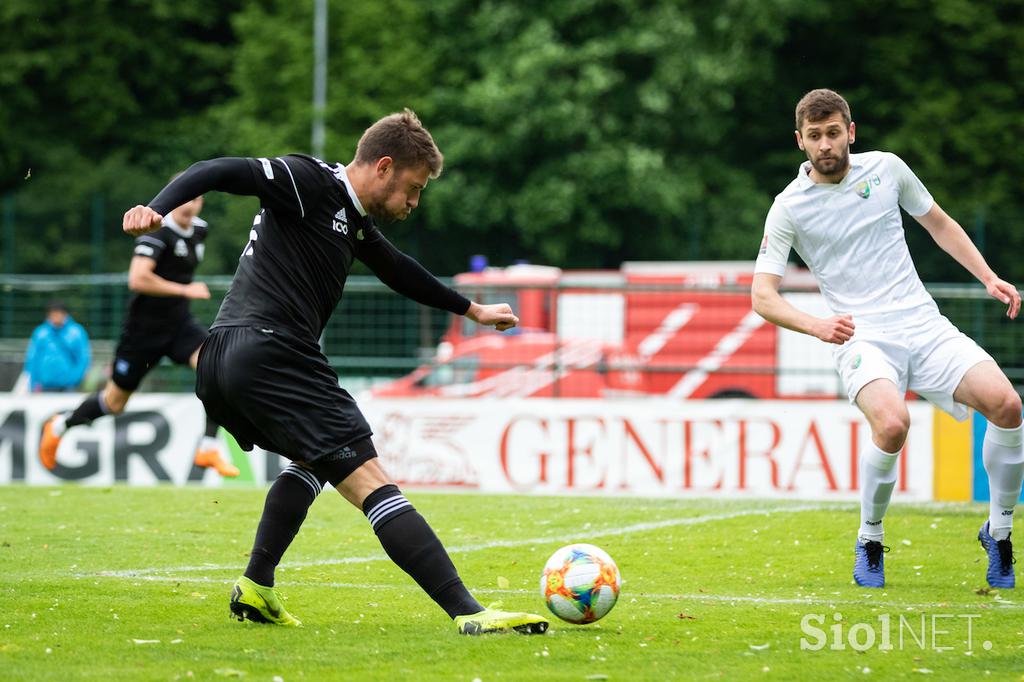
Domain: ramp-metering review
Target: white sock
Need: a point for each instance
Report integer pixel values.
(60, 425)
(209, 443)
(877, 480)
(1004, 461)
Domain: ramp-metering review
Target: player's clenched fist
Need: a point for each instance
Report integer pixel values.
(837, 330)
(141, 220)
(497, 315)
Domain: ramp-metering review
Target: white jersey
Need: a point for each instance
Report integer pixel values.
(850, 234)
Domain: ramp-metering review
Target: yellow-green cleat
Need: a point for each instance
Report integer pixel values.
(259, 604)
(491, 620)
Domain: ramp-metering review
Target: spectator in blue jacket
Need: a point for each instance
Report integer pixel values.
(58, 353)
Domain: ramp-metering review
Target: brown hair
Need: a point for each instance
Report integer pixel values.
(402, 137)
(819, 104)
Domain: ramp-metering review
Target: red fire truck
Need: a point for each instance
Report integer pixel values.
(682, 330)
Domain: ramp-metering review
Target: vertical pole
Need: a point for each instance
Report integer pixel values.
(319, 90)
(97, 220)
(9, 265)
(426, 337)
(696, 229)
(10, 248)
(556, 357)
(319, 76)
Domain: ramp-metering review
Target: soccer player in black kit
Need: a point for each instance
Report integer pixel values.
(262, 375)
(158, 323)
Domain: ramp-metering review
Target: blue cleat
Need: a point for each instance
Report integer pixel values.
(1000, 559)
(869, 563)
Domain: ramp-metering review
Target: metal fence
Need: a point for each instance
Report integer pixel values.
(376, 334)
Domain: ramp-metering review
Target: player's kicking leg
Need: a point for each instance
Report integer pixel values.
(411, 543)
(986, 389)
(887, 415)
(403, 533)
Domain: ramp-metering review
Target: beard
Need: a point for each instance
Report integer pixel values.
(378, 207)
(833, 166)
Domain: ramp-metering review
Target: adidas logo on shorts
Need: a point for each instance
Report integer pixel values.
(345, 453)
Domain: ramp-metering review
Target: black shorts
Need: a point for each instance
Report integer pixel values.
(270, 389)
(141, 347)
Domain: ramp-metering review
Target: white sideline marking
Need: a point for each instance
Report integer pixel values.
(146, 574)
(462, 549)
(701, 596)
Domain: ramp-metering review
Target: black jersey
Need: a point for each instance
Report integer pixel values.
(309, 229)
(177, 253)
(301, 246)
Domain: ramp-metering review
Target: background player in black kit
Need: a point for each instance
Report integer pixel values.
(262, 375)
(158, 323)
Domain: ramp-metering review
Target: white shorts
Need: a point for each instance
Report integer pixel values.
(918, 350)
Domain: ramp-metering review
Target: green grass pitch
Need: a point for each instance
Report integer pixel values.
(132, 584)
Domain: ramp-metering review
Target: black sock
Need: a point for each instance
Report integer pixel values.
(412, 545)
(284, 511)
(211, 427)
(91, 408)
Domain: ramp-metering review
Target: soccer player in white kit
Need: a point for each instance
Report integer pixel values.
(842, 215)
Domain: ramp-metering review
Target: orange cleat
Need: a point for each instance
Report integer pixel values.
(212, 458)
(48, 444)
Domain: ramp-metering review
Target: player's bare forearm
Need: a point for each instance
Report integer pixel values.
(952, 239)
(769, 304)
(151, 284)
(144, 281)
(779, 312)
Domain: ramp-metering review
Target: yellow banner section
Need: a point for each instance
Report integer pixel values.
(953, 470)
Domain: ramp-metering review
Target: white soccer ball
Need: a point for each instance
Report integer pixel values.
(580, 583)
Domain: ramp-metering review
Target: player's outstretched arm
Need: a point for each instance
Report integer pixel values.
(769, 304)
(952, 239)
(405, 275)
(228, 174)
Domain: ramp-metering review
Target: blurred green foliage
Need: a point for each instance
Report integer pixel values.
(579, 133)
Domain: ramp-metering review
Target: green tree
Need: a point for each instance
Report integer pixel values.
(379, 60)
(579, 133)
(588, 132)
(100, 99)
